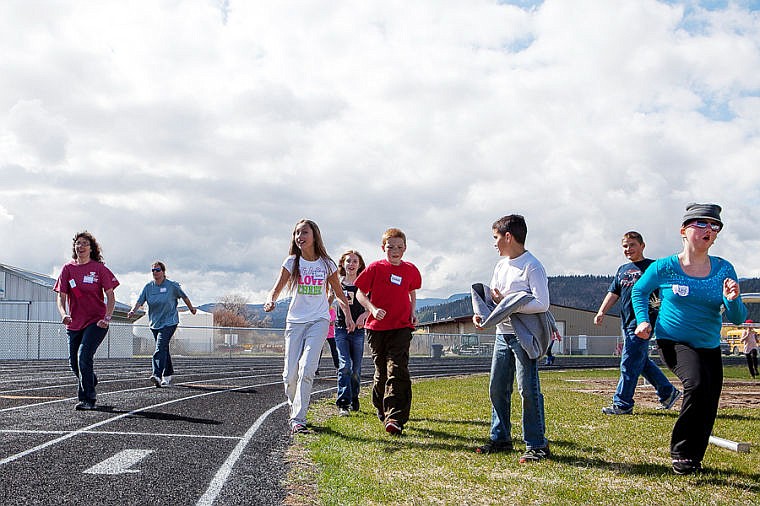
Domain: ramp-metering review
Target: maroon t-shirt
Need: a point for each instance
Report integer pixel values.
(388, 287)
(85, 286)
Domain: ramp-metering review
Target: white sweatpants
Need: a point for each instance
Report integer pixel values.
(303, 344)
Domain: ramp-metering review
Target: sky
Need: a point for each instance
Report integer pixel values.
(199, 132)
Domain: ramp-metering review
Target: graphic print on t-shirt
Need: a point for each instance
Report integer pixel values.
(629, 277)
(311, 281)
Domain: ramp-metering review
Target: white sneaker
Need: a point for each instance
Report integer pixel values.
(156, 381)
(343, 412)
(166, 381)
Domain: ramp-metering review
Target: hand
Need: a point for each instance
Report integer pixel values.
(378, 313)
(269, 306)
(414, 320)
(730, 289)
(598, 318)
(644, 330)
(477, 320)
(496, 295)
(66, 320)
(132, 313)
(194, 310)
(556, 336)
(103, 324)
(350, 325)
(361, 320)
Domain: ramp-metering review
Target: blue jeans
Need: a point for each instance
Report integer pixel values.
(509, 357)
(350, 351)
(635, 362)
(162, 360)
(83, 344)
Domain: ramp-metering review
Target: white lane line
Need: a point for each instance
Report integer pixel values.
(77, 432)
(120, 463)
(215, 487)
(152, 387)
(118, 433)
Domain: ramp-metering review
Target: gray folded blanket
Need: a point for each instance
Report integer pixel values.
(534, 331)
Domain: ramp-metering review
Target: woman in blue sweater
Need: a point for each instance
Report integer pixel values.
(693, 287)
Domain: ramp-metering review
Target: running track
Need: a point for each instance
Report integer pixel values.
(217, 436)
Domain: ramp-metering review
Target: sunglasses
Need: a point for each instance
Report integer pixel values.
(156, 269)
(715, 227)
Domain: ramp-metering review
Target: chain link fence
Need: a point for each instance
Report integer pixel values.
(38, 340)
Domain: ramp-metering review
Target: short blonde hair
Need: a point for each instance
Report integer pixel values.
(393, 232)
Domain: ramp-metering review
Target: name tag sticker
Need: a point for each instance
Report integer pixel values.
(162, 289)
(680, 290)
(395, 279)
(72, 283)
(89, 279)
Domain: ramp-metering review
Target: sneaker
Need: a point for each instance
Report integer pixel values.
(535, 455)
(617, 410)
(299, 428)
(393, 428)
(670, 401)
(343, 412)
(155, 380)
(85, 406)
(355, 406)
(686, 466)
(166, 381)
(494, 447)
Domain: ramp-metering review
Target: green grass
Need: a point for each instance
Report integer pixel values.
(597, 459)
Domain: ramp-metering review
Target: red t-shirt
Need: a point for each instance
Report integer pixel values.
(85, 286)
(388, 288)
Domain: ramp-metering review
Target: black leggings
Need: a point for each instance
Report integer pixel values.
(701, 372)
(752, 362)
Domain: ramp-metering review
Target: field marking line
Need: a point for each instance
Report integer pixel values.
(222, 475)
(83, 430)
(118, 433)
(120, 463)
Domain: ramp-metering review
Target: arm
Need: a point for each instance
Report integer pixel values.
(337, 291)
(736, 311)
(609, 300)
(110, 303)
(539, 288)
(282, 280)
(189, 304)
(376, 312)
(640, 293)
(413, 300)
(62, 303)
(134, 309)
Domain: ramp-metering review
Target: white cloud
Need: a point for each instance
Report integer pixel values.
(199, 133)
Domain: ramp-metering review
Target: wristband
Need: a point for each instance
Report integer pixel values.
(107, 318)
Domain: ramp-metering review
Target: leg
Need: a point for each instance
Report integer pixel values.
(701, 372)
(75, 340)
(356, 351)
(398, 388)
(161, 358)
(344, 368)
(155, 364)
(313, 339)
(533, 418)
(294, 338)
(333, 352)
(91, 339)
(658, 380)
(380, 359)
(754, 361)
(632, 363)
(500, 389)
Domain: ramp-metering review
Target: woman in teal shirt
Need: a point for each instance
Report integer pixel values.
(162, 294)
(693, 288)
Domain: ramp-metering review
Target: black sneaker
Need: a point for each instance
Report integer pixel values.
(617, 410)
(535, 455)
(355, 406)
(686, 466)
(85, 406)
(298, 428)
(495, 447)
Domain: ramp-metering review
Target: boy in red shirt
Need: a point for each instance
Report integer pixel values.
(387, 289)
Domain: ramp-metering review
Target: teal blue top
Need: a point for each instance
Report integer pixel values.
(162, 303)
(690, 307)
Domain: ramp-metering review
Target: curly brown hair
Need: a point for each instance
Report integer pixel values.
(94, 246)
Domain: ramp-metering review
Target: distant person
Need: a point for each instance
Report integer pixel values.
(350, 344)
(330, 338)
(694, 286)
(162, 294)
(517, 272)
(82, 285)
(306, 272)
(388, 289)
(634, 357)
(749, 338)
